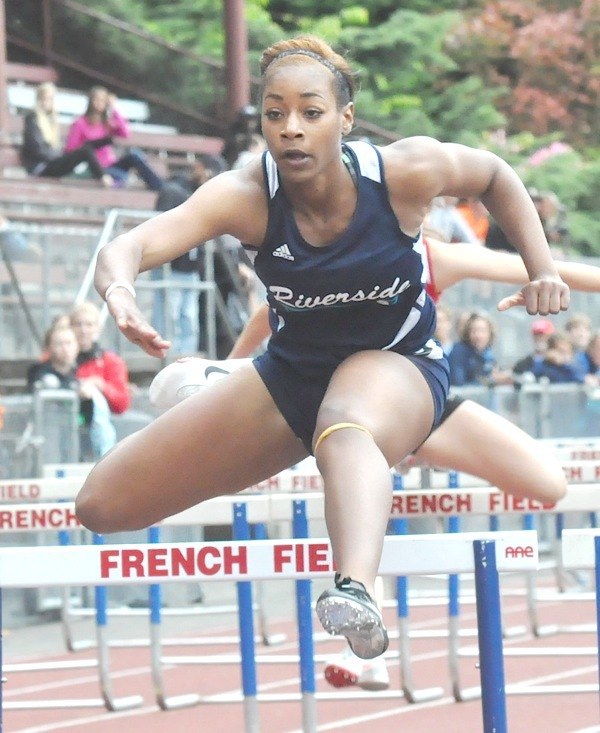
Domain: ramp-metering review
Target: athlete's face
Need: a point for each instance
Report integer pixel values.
(301, 121)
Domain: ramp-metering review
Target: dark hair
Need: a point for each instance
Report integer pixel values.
(91, 93)
(314, 48)
(465, 334)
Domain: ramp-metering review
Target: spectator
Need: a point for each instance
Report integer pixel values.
(182, 301)
(472, 359)
(592, 356)
(445, 223)
(256, 145)
(552, 215)
(476, 216)
(98, 367)
(98, 126)
(246, 124)
(14, 246)
(41, 151)
(444, 328)
(578, 328)
(497, 239)
(58, 370)
(557, 365)
(541, 330)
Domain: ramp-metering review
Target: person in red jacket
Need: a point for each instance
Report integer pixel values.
(104, 368)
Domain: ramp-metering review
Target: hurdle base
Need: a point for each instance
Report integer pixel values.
(177, 701)
(54, 704)
(116, 705)
(425, 694)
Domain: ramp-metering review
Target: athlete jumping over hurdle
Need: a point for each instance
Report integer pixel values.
(533, 472)
(352, 372)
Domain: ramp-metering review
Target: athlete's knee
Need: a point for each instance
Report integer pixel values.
(92, 511)
(331, 421)
(104, 504)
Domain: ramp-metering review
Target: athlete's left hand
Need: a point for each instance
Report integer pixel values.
(542, 296)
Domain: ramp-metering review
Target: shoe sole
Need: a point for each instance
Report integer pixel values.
(363, 630)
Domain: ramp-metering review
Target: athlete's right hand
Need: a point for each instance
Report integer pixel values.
(132, 324)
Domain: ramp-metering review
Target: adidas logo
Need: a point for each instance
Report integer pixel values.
(283, 251)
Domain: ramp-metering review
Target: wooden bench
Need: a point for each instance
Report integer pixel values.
(48, 194)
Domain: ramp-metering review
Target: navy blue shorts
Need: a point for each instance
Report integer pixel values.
(299, 397)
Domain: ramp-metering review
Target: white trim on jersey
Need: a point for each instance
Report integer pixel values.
(272, 177)
(368, 160)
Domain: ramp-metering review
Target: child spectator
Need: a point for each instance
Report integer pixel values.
(100, 123)
(541, 330)
(557, 366)
(41, 151)
(472, 359)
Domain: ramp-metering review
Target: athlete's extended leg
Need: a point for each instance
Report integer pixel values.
(219, 441)
(482, 443)
(361, 431)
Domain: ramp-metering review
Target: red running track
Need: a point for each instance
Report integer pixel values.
(547, 713)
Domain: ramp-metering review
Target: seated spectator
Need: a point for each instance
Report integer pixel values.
(58, 370)
(541, 330)
(16, 247)
(472, 359)
(98, 367)
(98, 126)
(578, 329)
(41, 151)
(557, 365)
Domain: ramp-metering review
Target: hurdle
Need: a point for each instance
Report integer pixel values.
(300, 559)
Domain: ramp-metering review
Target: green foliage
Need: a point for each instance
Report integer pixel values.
(502, 74)
(576, 182)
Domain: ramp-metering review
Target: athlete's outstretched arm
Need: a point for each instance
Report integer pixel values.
(452, 263)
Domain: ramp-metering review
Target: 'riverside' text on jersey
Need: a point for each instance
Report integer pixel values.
(364, 290)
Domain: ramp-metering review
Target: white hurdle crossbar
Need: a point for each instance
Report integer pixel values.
(486, 554)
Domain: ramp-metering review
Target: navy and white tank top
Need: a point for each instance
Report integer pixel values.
(364, 290)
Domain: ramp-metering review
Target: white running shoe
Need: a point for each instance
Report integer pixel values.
(346, 669)
(187, 376)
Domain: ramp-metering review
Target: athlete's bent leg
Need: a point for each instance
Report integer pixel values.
(219, 441)
(360, 433)
(479, 442)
